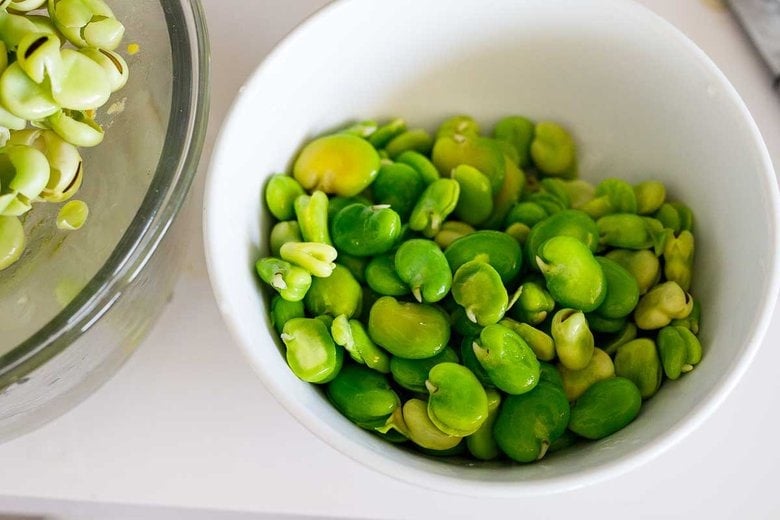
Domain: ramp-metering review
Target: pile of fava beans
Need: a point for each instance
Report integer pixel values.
(466, 294)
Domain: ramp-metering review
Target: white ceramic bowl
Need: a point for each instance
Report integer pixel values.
(643, 101)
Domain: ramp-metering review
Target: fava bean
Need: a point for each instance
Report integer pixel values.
(457, 404)
(528, 423)
(399, 186)
(570, 223)
(629, 231)
(680, 350)
(508, 360)
(422, 430)
(318, 259)
(662, 304)
(638, 361)
(481, 153)
(337, 294)
(312, 215)
(382, 277)
(622, 290)
(408, 330)
(283, 311)
(290, 281)
(678, 259)
(606, 407)
(643, 265)
(481, 443)
(650, 195)
(541, 343)
(342, 164)
(612, 196)
(478, 288)
(574, 342)
(424, 268)
(519, 132)
(361, 230)
(461, 124)
(475, 203)
(283, 232)
(387, 132)
(417, 139)
(434, 205)
(553, 150)
(533, 303)
(280, 194)
(573, 276)
(421, 164)
(451, 231)
(363, 396)
(412, 373)
(576, 382)
(311, 353)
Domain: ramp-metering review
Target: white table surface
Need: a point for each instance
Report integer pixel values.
(186, 423)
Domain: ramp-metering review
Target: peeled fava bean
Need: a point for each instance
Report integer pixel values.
(533, 303)
(528, 423)
(622, 292)
(574, 277)
(478, 288)
(576, 382)
(553, 150)
(341, 164)
(475, 203)
(408, 330)
(481, 443)
(290, 281)
(570, 223)
(678, 259)
(638, 361)
(363, 396)
(606, 407)
(424, 268)
(662, 304)
(412, 373)
(481, 153)
(679, 349)
(360, 230)
(574, 342)
(311, 353)
(421, 429)
(498, 249)
(508, 360)
(457, 404)
(337, 294)
(280, 194)
(643, 265)
(540, 342)
(434, 205)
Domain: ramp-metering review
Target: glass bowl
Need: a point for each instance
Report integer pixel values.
(76, 304)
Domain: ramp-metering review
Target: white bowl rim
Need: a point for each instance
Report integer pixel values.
(471, 487)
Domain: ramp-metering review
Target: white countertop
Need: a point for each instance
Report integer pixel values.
(186, 423)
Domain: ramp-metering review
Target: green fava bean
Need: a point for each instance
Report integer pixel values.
(382, 277)
(498, 249)
(336, 204)
(361, 230)
(685, 216)
(478, 288)
(461, 124)
(678, 259)
(337, 294)
(341, 164)
(519, 232)
(519, 132)
(363, 396)
(638, 361)
(312, 214)
(481, 443)
(424, 268)
(629, 231)
(556, 188)
(606, 407)
(668, 216)
(567, 439)
(451, 231)
(415, 139)
(580, 192)
(412, 373)
(283, 232)
(11, 240)
(462, 324)
(549, 374)
(573, 276)
(643, 265)
(508, 360)
(528, 213)
(422, 431)
(599, 323)
(553, 150)
(408, 330)
(574, 342)
(576, 382)
(435, 204)
(470, 361)
(528, 423)
(571, 223)
(680, 350)
(280, 194)
(622, 290)
(541, 343)
(507, 196)
(612, 196)
(355, 265)
(475, 203)
(650, 195)
(283, 311)
(399, 186)
(311, 353)
(457, 404)
(482, 153)
(533, 303)
(624, 335)
(290, 281)
(386, 133)
(692, 321)
(421, 165)
(662, 304)
(316, 258)
(361, 128)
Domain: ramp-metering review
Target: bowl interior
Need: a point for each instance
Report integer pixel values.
(643, 103)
